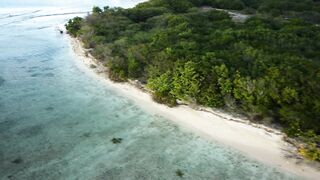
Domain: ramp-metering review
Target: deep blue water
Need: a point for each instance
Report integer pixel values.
(57, 123)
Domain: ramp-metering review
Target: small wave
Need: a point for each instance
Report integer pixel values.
(3, 15)
(47, 69)
(60, 14)
(42, 75)
(12, 22)
(44, 15)
(17, 15)
(44, 27)
(37, 28)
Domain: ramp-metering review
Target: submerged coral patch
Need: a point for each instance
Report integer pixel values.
(116, 140)
(17, 161)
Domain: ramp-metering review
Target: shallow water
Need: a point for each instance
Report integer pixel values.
(57, 123)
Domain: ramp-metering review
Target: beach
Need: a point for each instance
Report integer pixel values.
(255, 141)
(60, 114)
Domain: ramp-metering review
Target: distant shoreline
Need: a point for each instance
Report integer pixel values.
(256, 141)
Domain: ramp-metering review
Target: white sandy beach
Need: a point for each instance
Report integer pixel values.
(253, 141)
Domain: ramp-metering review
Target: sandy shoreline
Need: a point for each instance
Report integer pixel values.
(253, 141)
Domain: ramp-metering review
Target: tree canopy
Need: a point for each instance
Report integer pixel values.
(267, 67)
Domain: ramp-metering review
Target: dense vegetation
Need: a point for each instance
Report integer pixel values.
(268, 67)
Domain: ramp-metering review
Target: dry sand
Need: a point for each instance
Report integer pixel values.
(255, 142)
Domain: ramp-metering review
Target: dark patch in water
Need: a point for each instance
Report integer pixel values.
(35, 75)
(45, 60)
(49, 108)
(49, 75)
(17, 160)
(116, 140)
(31, 131)
(31, 70)
(47, 69)
(179, 173)
(1, 81)
(7, 124)
(86, 135)
(10, 176)
(44, 75)
(113, 173)
(72, 124)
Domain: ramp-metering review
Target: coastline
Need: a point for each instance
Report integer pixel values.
(255, 141)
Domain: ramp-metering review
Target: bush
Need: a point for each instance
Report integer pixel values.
(74, 25)
(310, 151)
(164, 99)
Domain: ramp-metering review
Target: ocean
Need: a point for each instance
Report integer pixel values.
(56, 122)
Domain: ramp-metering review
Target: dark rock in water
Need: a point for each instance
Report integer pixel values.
(61, 32)
(17, 161)
(179, 173)
(49, 108)
(116, 140)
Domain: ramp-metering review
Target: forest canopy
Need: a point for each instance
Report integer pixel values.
(268, 67)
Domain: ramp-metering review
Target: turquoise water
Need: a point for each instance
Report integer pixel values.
(57, 123)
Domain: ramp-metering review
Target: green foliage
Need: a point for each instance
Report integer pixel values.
(162, 86)
(310, 151)
(73, 26)
(311, 148)
(186, 82)
(96, 10)
(117, 69)
(176, 6)
(142, 14)
(229, 4)
(267, 66)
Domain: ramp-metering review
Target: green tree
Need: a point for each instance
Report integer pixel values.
(96, 10)
(162, 87)
(186, 82)
(73, 26)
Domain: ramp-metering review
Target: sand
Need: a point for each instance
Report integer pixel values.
(255, 141)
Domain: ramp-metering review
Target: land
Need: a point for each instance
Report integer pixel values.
(257, 141)
(259, 59)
